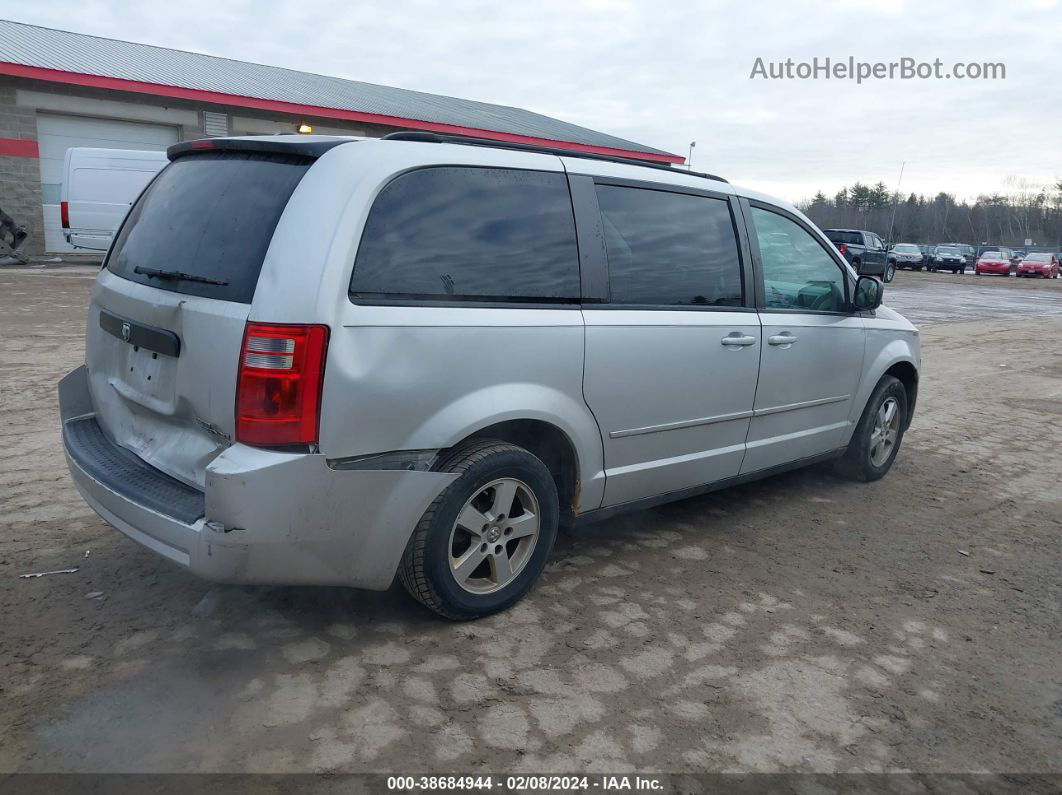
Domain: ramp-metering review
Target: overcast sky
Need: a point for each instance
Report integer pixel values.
(667, 73)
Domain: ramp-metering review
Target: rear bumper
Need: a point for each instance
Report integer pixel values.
(1003, 270)
(88, 241)
(264, 517)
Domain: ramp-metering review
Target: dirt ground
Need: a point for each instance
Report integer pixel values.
(803, 623)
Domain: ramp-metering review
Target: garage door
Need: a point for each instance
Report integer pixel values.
(56, 134)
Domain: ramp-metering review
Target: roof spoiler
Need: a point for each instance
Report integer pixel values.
(277, 144)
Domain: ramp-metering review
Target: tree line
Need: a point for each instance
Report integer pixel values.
(1008, 219)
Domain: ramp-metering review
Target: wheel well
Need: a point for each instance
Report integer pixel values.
(551, 446)
(908, 376)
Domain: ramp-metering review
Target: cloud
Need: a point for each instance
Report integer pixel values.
(668, 73)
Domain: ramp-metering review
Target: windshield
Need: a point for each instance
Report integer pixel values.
(1038, 257)
(946, 250)
(209, 217)
(907, 248)
(991, 255)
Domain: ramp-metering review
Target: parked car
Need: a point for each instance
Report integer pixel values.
(969, 253)
(927, 255)
(906, 255)
(864, 250)
(995, 261)
(99, 186)
(948, 258)
(1042, 264)
(423, 355)
(1016, 257)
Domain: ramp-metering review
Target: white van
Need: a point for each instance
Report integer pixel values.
(99, 186)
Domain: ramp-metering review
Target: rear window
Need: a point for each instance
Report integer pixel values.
(848, 238)
(208, 216)
(470, 234)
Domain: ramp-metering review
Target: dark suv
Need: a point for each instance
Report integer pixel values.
(948, 258)
(864, 250)
(968, 252)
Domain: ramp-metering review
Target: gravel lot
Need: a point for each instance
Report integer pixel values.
(800, 623)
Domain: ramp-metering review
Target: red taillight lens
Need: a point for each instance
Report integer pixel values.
(842, 248)
(278, 395)
(64, 214)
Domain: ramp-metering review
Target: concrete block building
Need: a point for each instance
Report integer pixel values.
(60, 89)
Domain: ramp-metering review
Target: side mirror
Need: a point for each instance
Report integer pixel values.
(869, 291)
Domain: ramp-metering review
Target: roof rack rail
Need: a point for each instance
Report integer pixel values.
(467, 140)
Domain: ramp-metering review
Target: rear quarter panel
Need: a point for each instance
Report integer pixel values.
(416, 376)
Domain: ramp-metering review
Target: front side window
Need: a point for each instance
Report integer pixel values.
(470, 234)
(798, 274)
(669, 249)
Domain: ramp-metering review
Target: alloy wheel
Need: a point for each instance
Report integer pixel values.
(885, 432)
(494, 536)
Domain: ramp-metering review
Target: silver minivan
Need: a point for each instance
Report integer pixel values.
(317, 360)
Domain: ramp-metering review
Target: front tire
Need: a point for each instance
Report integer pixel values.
(890, 272)
(484, 541)
(878, 434)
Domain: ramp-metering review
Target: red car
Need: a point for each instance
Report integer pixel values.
(993, 262)
(1042, 264)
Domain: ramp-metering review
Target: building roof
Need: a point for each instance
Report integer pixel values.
(78, 59)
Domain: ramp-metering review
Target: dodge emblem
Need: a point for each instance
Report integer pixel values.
(126, 332)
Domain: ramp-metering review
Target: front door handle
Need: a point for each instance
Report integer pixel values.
(785, 339)
(735, 339)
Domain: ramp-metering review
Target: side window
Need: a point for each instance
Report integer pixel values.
(798, 274)
(669, 249)
(473, 234)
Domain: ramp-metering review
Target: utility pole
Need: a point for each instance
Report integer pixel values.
(689, 158)
(895, 201)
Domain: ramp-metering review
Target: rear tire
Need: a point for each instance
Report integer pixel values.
(878, 434)
(469, 522)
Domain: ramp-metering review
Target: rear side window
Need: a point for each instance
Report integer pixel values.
(848, 238)
(209, 216)
(108, 186)
(473, 234)
(669, 249)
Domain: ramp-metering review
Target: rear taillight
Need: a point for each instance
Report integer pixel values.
(64, 214)
(842, 248)
(278, 394)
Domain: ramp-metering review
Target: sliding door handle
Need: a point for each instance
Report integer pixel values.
(785, 339)
(735, 339)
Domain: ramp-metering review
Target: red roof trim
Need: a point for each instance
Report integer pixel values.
(14, 147)
(175, 92)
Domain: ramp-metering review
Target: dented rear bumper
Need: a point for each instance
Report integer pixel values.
(264, 517)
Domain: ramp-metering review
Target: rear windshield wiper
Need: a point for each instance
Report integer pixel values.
(158, 273)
